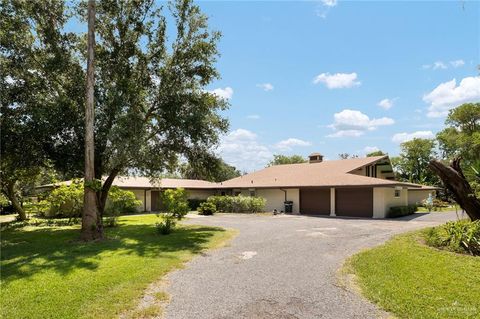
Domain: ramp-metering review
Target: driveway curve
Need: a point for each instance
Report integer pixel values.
(282, 267)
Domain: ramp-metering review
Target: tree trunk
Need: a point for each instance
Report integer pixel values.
(453, 178)
(91, 223)
(13, 198)
(103, 194)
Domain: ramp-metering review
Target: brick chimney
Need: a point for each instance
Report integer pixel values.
(315, 158)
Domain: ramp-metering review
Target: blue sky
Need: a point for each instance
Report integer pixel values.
(311, 76)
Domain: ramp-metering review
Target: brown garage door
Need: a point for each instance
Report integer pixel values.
(355, 202)
(315, 201)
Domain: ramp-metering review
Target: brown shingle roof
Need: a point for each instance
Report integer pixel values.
(145, 182)
(323, 174)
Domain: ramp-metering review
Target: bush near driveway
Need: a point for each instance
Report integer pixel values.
(462, 236)
(46, 274)
(207, 208)
(238, 204)
(175, 208)
(412, 280)
(399, 211)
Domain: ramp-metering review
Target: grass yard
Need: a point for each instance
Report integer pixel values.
(412, 280)
(46, 274)
(452, 208)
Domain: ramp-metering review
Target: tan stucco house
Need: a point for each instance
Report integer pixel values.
(357, 187)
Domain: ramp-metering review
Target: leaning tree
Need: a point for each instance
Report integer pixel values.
(455, 181)
(461, 140)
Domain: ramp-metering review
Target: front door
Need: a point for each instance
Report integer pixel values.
(156, 204)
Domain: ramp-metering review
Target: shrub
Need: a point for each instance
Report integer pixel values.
(462, 236)
(435, 205)
(399, 211)
(175, 202)
(194, 203)
(166, 225)
(238, 204)
(175, 206)
(63, 201)
(207, 208)
(67, 201)
(121, 202)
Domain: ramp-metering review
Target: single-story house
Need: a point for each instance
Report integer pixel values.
(357, 187)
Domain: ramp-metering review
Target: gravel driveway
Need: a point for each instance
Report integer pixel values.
(282, 267)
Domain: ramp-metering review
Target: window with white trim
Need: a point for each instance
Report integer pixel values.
(397, 192)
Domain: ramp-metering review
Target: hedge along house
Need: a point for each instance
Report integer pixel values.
(148, 190)
(358, 187)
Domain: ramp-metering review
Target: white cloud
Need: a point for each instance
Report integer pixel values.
(448, 95)
(288, 144)
(253, 117)
(225, 93)
(242, 149)
(323, 8)
(353, 123)
(330, 3)
(386, 104)
(370, 149)
(404, 137)
(265, 86)
(457, 63)
(440, 65)
(337, 80)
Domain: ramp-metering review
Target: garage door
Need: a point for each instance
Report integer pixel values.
(355, 202)
(315, 201)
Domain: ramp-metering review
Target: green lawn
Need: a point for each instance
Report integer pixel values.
(422, 209)
(47, 274)
(412, 280)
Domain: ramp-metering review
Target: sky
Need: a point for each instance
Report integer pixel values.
(340, 76)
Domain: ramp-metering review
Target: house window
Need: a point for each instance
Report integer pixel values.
(397, 192)
(252, 192)
(236, 193)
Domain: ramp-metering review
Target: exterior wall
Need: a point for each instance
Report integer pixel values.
(361, 171)
(200, 193)
(275, 198)
(192, 193)
(379, 202)
(417, 196)
(384, 198)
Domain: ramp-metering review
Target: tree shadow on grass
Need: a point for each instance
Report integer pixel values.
(24, 253)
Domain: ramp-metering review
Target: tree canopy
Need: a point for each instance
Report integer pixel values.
(39, 86)
(412, 163)
(376, 153)
(285, 159)
(151, 105)
(461, 137)
(216, 171)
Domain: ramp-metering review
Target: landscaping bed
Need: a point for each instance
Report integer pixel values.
(412, 280)
(46, 273)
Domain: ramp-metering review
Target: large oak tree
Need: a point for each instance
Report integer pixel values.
(40, 86)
